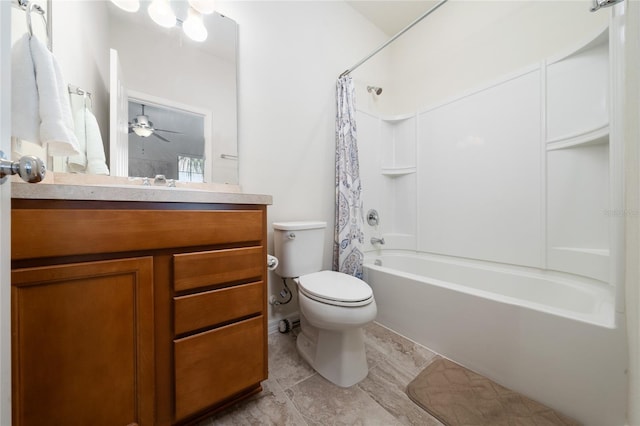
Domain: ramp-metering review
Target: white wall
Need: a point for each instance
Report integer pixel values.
(80, 44)
(290, 54)
(466, 44)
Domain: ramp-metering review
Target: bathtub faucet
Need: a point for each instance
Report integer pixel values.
(375, 240)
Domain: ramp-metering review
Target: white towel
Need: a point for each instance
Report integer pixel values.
(96, 161)
(55, 113)
(25, 117)
(78, 163)
(91, 158)
(40, 108)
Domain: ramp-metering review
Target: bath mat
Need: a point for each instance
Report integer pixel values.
(457, 396)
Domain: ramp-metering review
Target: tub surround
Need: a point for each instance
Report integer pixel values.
(531, 176)
(136, 305)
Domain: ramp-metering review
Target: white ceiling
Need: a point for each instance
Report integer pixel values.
(391, 15)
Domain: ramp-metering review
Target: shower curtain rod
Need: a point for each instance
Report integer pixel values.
(392, 39)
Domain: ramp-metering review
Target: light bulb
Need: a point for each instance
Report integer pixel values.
(203, 6)
(193, 26)
(142, 131)
(160, 11)
(128, 5)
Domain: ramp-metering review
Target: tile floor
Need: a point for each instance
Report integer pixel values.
(295, 394)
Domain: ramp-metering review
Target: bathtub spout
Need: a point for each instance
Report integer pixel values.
(375, 240)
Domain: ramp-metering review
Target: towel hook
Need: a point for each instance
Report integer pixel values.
(30, 7)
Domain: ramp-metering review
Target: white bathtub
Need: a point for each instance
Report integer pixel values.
(549, 336)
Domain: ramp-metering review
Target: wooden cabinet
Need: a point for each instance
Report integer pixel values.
(135, 313)
(83, 343)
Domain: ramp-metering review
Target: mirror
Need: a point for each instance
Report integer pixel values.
(160, 67)
(165, 141)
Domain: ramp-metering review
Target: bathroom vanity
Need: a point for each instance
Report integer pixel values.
(135, 306)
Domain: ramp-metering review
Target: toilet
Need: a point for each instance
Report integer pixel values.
(333, 306)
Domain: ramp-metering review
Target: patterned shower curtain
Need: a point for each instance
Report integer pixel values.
(348, 254)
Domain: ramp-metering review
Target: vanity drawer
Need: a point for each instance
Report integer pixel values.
(193, 270)
(214, 365)
(201, 310)
(115, 231)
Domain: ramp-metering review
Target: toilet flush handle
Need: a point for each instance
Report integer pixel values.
(292, 236)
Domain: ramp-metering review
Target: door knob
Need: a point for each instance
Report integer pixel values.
(30, 168)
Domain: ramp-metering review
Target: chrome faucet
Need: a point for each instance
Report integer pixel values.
(375, 240)
(160, 180)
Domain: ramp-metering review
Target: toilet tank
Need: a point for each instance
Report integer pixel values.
(299, 247)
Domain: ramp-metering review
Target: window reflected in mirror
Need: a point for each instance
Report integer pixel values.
(190, 169)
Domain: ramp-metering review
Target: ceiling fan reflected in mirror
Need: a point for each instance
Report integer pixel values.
(143, 127)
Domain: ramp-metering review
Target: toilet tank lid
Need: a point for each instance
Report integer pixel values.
(297, 226)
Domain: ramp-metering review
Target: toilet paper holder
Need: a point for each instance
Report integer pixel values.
(272, 262)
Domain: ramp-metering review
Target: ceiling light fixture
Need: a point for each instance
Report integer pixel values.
(162, 14)
(143, 132)
(205, 7)
(193, 26)
(128, 5)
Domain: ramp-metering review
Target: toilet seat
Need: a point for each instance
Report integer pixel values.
(335, 288)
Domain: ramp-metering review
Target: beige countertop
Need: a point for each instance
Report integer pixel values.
(62, 186)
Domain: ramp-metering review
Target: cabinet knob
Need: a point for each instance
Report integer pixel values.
(30, 168)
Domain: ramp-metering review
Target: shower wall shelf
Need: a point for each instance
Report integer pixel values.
(397, 118)
(590, 251)
(399, 145)
(398, 171)
(592, 137)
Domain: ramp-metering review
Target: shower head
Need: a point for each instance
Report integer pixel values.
(374, 89)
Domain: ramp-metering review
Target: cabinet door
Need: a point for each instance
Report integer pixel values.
(215, 365)
(82, 341)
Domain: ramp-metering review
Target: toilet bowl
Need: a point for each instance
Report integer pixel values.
(333, 309)
(333, 306)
